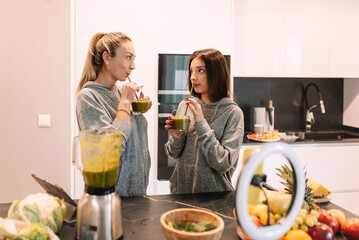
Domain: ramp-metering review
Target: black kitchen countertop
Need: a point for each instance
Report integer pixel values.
(141, 215)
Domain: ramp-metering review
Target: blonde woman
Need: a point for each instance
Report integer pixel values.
(101, 104)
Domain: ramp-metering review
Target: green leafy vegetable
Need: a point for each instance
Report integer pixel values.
(39, 208)
(31, 231)
(35, 231)
(192, 226)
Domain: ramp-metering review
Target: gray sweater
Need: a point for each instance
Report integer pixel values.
(207, 154)
(96, 107)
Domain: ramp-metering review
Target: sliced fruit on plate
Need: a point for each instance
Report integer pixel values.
(269, 136)
(318, 190)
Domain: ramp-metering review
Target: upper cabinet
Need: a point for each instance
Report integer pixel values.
(296, 38)
(306, 32)
(258, 38)
(344, 38)
(185, 26)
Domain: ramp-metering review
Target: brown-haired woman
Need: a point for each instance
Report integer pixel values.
(207, 153)
(102, 104)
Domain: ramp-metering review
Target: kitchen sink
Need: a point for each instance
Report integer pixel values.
(327, 135)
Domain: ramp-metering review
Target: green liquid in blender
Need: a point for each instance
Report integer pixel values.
(101, 179)
(140, 106)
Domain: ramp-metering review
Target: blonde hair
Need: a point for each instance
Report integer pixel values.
(100, 43)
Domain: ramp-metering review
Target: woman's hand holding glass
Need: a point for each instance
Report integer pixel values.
(196, 109)
(176, 134)
(142, 95)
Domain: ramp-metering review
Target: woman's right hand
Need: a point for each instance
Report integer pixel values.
(129, 90)
(169, 127)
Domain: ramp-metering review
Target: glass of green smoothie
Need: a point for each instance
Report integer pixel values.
(97, 156)
(140, 105)
(180, 122)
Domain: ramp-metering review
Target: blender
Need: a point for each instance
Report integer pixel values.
(96, 153)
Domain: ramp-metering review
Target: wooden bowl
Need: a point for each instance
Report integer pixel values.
(192, 215)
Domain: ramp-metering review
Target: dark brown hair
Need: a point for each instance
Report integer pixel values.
(218, 76)
(100, 43)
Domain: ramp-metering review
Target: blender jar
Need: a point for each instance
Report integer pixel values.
(97, 156)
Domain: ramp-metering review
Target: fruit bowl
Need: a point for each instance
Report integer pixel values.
(191, 215)
(242, 234)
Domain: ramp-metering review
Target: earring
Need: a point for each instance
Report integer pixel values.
(107, 63)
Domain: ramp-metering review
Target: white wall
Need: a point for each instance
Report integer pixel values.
(35, 79)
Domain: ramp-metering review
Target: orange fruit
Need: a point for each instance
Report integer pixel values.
(297, 234)
(282, 238)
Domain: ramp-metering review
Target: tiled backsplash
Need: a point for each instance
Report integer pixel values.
(288, 101)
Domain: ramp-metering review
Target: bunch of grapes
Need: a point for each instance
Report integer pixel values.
(306, 219)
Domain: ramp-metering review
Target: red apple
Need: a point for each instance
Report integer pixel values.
(326, 218)
(256, 220)
(350, 228)
(321, 231)
(322, 211)
(338, 215)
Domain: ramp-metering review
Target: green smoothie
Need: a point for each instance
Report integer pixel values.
(140, 105)
(180, 123)
(100, 179)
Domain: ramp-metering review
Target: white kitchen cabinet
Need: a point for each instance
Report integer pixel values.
(344, 38)
(280, 38)
(306, 31)
(347, 200)
(297, 38)
(186, 26)
(258, 38)
(335, 166)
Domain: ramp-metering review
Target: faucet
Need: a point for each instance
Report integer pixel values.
(309, 119)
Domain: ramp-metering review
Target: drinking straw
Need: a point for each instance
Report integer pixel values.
(190, 94)
(130, 81)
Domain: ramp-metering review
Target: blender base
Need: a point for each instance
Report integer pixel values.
(99, 217)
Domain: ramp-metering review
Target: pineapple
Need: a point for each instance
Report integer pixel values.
(287, 175)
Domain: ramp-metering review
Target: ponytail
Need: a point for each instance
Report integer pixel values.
(99, 43)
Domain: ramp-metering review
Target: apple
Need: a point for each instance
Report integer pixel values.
(321, 231)
(326, 218)
(338, 215)
(256, 220)
(322, 211)
(350, 228)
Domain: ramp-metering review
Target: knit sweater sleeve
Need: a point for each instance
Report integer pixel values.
(92, 114)
(222, 155)
(174, 147)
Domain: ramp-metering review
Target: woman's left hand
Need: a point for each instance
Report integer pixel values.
(195, 108)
